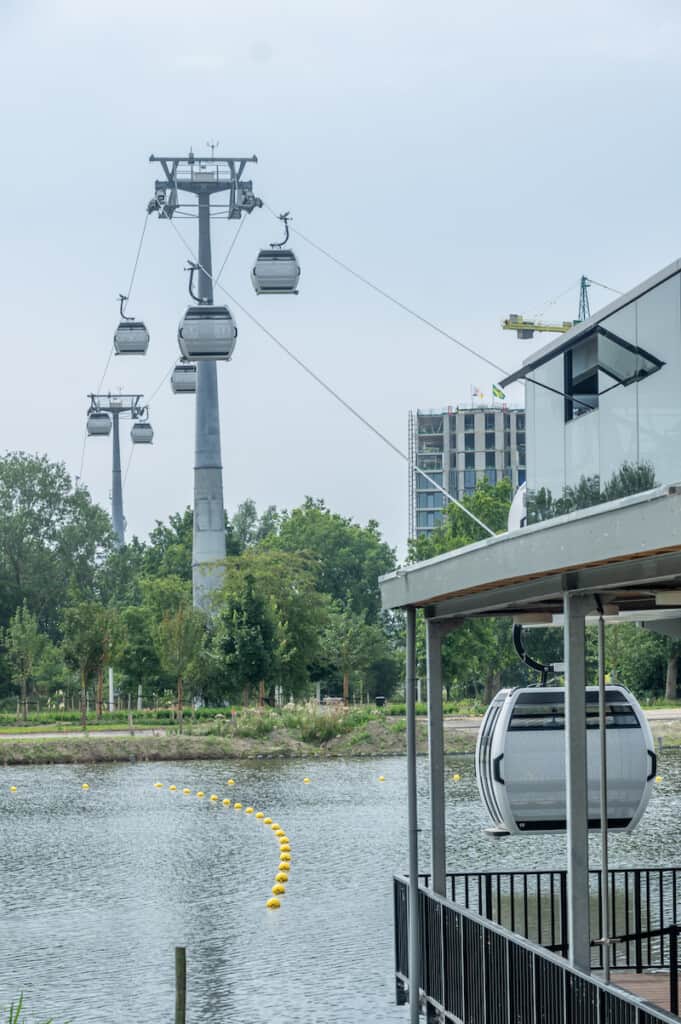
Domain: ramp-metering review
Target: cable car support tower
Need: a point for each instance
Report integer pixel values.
(204, 177)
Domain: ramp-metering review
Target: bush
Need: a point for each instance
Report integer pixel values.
(255, 724)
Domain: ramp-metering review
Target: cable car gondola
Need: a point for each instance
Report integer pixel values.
(183, 379)
(276, 270)
(131, 337)
(520, 760)
(142, 433)
(207, 332)
(98, 424)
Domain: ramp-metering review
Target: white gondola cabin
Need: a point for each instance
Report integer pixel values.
(131, 338)
(207, 332)
(520, 760)
(98, 424)
(142, 433)
(276, 272)
(183, 379)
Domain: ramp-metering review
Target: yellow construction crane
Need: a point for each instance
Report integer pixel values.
(525, 329)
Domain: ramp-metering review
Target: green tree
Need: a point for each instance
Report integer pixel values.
(24, 644)
(630, 478)
(179, 639)
(348, 557)
(84, 644)
(52, 538)
(249, 528)
(351, 644)
(245, 636)
(136, 656)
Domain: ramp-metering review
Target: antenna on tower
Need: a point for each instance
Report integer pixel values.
(213, 146)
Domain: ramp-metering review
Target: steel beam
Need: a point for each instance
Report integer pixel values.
(412, 813)
(575, 611)
(436, 757)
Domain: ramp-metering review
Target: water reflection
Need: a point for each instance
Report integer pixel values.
(99, 886)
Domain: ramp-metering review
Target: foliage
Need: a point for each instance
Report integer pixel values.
(84, 644)
(351, 644)
(255, 724)
(319, 725)
(15, 1014)
(24, 644)
(630, 478)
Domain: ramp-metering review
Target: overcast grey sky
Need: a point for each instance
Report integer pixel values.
(474, 159)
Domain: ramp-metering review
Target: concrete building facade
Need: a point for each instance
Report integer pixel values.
(457, 448)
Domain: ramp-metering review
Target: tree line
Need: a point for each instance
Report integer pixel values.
(298, 607)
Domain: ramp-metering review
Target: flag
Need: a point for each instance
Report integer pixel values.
(477, 393)
(497, 392)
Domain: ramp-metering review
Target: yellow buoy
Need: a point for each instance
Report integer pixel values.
(281, 877)
(200, 794)
(226, 802)
(259, 814)
(237, 807)
(172, 789)
(280, 832)
(275, 825)
(158, 785)
(658, 778)
(273, 903)
(267, 821)
(285, 848)
(456, 777)
(284, 839)
(186, 791)
(231, 782)
(278, 889)
(381, 778)
(12, 789)
(249, 810)
(306, 781)
(214, 797)
(285, 855)
(85, 786)
(285, 866)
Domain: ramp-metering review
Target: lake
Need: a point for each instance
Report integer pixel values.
(99, 886)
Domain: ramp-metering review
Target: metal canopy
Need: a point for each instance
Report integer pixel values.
(629, 548)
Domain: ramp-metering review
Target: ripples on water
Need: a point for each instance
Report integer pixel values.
(100, 886)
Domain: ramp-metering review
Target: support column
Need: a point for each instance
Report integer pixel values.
(412, 812)
(603, 737)
(436, 758)
(111, 689)
(575, 609)
(117, 519)
(209, 506)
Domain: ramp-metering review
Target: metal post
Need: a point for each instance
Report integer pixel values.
(605, 895)
(209, 508)
(436, 758)
(575, 609)
(139, 696)
(117, 484)
(412, 811)
(673, 968)
(111, 689)
(180, 985)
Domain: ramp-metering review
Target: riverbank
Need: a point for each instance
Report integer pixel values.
(379, 735)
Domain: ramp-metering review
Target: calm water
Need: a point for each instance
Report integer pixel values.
(99, 887)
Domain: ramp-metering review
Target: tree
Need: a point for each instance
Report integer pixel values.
(630, 478)
(348, 557)
(25, 644)
(84, 644)
(179, 638)
(52, 537)
(351, 644)
(244, 636)
(249, 528)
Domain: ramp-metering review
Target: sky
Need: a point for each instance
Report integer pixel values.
(471, 159)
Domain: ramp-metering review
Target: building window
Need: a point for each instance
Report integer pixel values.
(470, 460)
(520, 438)
(430, 499)
(490, 460)
(469, 421)
(428, 520)
(490, 423)
(469, 480)
(521, 477)
(519, 421)
(490, 440)
(429, 462)
(452, 460)
(521, 455)
(507, 457)
(491, 475)
(507, 439)
(469, 442)
(452, 484)
(430, 425)
(425, 485)
(452, 439)
(507, 421)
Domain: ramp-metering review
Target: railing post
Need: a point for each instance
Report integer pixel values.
(638, 945)
(412, 806)
(488, 897)
(563, 914)
(180, 984)
(673, 968)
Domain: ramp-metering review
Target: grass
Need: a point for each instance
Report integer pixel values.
(15, 1014)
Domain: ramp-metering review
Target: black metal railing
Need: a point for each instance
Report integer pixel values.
(644, 904)
(473, 971)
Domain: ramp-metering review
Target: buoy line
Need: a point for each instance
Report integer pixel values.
(282, 874)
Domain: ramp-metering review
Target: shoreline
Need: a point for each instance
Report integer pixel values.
(379, 738)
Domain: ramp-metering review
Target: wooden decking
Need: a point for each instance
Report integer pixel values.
(651, 985)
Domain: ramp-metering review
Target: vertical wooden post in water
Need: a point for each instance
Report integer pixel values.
(180, 984)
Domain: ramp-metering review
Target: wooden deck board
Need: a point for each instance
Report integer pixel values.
(652, 985)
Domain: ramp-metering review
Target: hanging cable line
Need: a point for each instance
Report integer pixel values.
(163, 380)
(216, 279)
(327, 387)
(82, 458)
(127, 465)
(393, 299)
